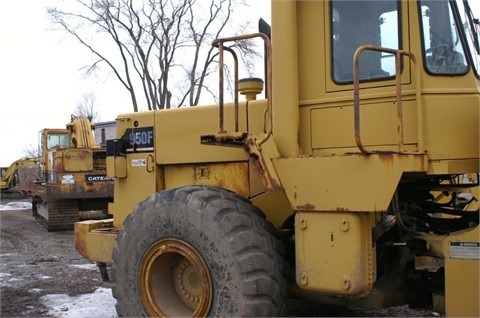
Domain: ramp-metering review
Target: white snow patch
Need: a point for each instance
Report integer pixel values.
(99, 304)
(16, 206)
(85, 266)
(35, 290)
(4, 279)
(44, 277)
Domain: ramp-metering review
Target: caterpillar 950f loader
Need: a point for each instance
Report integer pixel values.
(354, 181)
(73, 184)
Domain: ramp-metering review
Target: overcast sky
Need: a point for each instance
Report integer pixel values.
(40, 75)
(41, 80)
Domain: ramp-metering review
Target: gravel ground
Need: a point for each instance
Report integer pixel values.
(35, 263)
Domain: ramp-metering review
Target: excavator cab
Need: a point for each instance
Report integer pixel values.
(51, 140)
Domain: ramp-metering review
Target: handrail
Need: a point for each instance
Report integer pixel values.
(221, 48)
(398, 71)
(219, 43)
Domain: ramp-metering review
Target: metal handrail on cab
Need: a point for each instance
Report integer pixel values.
(220, 44)
(398, 72)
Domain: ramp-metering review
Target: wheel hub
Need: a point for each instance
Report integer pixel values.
(174, 280)
(187, 283)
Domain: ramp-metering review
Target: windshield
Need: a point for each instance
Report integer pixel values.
(57, 140)
(449, 39)
(471, 28)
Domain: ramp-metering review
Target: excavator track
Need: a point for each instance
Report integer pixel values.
(58, 215)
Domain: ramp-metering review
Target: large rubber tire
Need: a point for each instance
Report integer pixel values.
(198, 251)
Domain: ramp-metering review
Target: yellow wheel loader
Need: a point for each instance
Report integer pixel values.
(72, 184)
(353, 179)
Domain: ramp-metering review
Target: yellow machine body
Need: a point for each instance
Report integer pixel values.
(8, 176)
(328, 155)
(73, 176)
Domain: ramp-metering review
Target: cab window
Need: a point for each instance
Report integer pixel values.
(356, 23)
(442, 44)
(57, 140)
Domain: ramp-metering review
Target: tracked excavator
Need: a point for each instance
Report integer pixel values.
(9, 181)
(72, 184)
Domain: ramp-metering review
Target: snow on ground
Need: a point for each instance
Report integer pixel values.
(16, 206)
(89, 266)
(99, 304)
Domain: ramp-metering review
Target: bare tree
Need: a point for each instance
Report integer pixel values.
(86, 107)
(159, 43)
(30, 151)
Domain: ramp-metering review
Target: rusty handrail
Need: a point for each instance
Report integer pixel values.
(219, 43)
(221, 48)
(398, 72)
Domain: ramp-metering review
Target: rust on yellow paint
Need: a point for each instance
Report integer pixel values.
(230, 175)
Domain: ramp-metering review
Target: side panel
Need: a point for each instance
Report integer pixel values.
(334, 253)
(74, 160)
(345, 183)
(137, 166)
(378, 127)
(451, 132)
(462, 274)
(128, 192)
(232, 176)
(178, 131)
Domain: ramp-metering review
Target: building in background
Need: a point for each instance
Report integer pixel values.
(104, 131)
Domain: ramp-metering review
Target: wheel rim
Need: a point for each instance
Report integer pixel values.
(175, 281)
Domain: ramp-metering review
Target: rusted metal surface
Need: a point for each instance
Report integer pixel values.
(262, 164)
(27, 176)
(224, 139)
(81, 188)
(229, 175)
(306, 207)
(59, 203)
(68, 185)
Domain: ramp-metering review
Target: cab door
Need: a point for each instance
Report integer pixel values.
(372, 30)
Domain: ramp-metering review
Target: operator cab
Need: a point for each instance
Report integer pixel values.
(448, 29)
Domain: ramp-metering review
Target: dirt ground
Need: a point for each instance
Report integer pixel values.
(34, 263)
